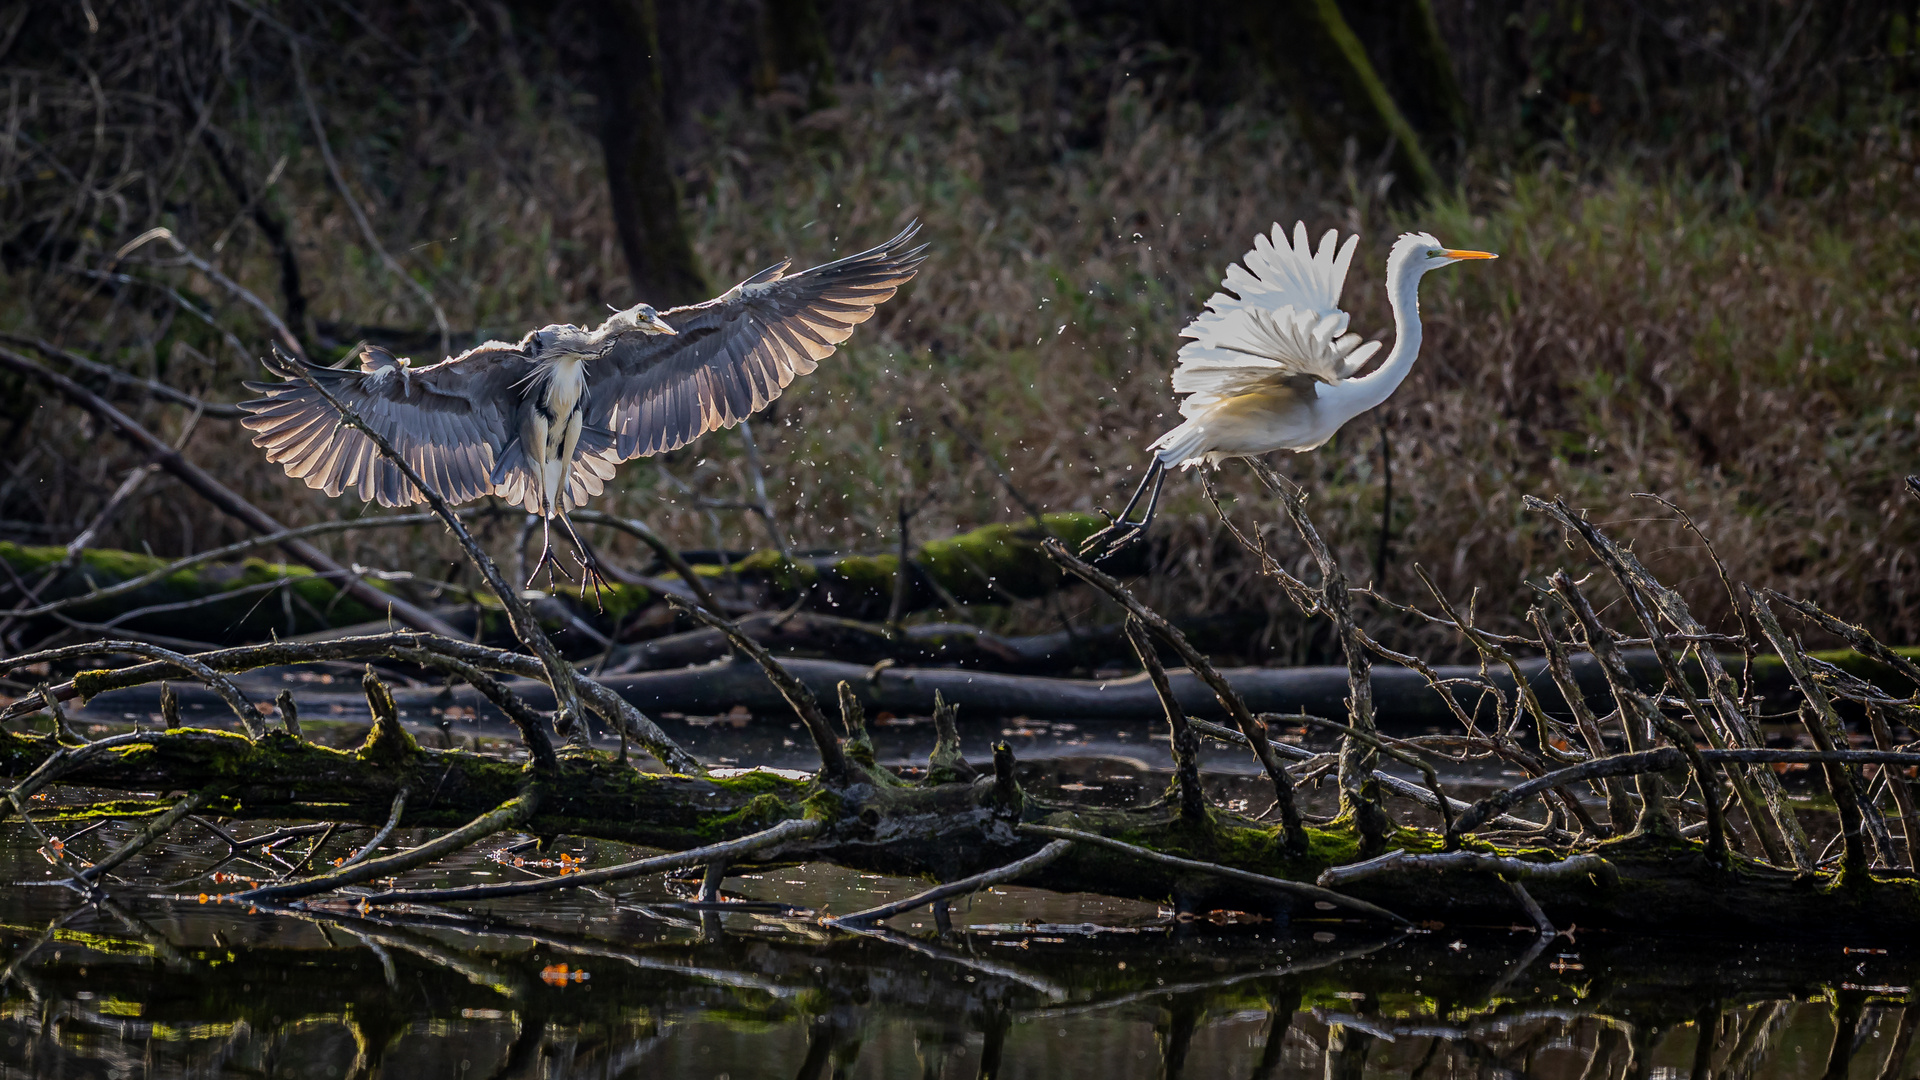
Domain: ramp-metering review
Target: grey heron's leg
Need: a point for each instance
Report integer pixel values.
(547, 560)
(589, 564)
(1125, 530)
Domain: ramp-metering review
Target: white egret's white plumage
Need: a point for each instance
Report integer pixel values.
(543, 422)
(1270, 364)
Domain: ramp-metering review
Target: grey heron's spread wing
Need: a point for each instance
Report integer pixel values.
(449, 421)
(734, 354)
(1284, 330)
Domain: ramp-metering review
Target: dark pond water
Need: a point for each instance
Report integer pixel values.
(636, 982)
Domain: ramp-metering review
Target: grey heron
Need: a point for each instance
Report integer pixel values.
(543, 421)
(1270, 364)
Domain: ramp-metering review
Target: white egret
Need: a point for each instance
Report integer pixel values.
(1271, 365)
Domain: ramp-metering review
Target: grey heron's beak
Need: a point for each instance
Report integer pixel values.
(659, 325)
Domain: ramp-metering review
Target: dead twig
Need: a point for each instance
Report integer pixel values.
(1299, 889)
(153, 831)
(245, 710)
(833, 758)
(1230, 698)
(1012, 871)
(1187, 794)
(222, 497)
(1821, 726)
(373, 845)
(1359, 791)
(729, 850)
(503, 817)
(1662, 760)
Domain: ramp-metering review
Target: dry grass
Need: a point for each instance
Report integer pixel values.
(1754, 364)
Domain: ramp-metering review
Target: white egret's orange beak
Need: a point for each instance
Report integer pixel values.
(1453, 254)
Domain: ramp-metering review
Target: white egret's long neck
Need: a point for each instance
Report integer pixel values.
(1403, 293)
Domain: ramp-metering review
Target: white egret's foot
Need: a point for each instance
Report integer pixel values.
(1111, 540)
(1125, 530)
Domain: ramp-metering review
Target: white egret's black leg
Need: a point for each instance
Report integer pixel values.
(1125, 529)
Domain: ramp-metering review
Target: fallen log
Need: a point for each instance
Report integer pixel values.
(1406, 701)
(948, 831)
(993, 564)
(206, 599)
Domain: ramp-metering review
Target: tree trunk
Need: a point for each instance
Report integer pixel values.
(633, 135)
(1308, 48)
(793, 42)
(1403, 40)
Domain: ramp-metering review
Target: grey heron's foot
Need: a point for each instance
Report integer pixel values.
(589, 567)
(549, 561)
(591, 577)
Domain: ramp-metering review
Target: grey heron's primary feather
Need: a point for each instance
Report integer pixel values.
(448, 420)
(734, 354)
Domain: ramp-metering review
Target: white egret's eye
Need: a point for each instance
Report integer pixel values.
(1436, 253)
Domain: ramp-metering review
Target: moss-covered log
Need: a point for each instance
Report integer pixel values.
(945, 831)
(253, 599)
(992, 564)
(226, 599)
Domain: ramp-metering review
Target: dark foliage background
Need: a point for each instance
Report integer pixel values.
(1706, 212)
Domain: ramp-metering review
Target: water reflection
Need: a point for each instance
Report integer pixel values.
(641, 983)
(635, 986)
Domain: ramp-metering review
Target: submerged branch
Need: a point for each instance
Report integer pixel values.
(1576, 866)
(999, 875)
(1243, 877)
(507, 815)
(795, 829)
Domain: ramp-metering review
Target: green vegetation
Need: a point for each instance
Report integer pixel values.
(1704, 289)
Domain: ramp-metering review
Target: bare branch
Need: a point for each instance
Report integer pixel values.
(730, 850)
(1574, 867)
(833, 758)
(373, 845)
(1230, 698)
(1013, 871)
(1245, 877)
(222, 497)
(505, 816)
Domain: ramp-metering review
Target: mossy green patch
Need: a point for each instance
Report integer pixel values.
(872, 574)
(761, 812)
(977, 566)
(784, 574)
(312, 603)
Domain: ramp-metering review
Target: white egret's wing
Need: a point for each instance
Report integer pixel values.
(1284, 328)
(449, 421)
(1251, 350)
(1276, 274)
(734, 354)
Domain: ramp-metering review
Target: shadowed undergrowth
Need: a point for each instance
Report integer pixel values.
(1747, 358)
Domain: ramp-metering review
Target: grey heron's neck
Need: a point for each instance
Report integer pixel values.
(556, 373)
(1403, 293)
